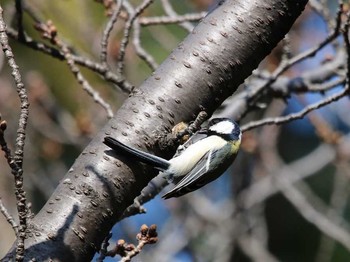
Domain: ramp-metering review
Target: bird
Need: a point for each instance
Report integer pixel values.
(196, 165)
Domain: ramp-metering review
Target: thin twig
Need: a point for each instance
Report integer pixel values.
(49, 32)
(31, 12)
(140, 51)
(287, 49)
(148, 193)
(84, 83)
(17, 170)
(127, 29)
(347, 45)
(285, 65)
(107, 31)
(254, 249)
(338, 202)
(104, 248)
(169, 10)
(312, 51)
(298, 115)
(107, 74)
(329, 225)
(147, 235)
(323, 223)
(8, 217)
(163, 20)
(194, 126)
(333, 83)
(320, 7)
(293, 173)
(306, 110)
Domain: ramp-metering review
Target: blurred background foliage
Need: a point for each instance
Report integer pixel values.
(63, 119)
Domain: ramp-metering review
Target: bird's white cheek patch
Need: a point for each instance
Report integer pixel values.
(224, 127)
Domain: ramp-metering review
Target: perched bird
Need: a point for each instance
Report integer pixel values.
(196, 165)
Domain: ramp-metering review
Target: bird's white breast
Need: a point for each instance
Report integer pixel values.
(183, 163)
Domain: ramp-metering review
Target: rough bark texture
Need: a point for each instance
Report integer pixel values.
(201, 72)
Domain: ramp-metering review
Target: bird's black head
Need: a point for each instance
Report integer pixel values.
(225, 128)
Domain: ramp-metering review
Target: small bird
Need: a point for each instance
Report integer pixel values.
(198, 164)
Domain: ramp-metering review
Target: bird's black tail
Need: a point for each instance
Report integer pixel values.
(149, 159)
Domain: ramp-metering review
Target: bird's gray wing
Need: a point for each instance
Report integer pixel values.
(196, 178)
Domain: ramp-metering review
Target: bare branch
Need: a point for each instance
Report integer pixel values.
(147, 235)
(313, 216)
(312, 51)
(298, 115)
(140, 51)
(132, 17)
(171, 12)
(49, 31)
(254, 249)
(107, 31)
(16, 162)
(8, 217)
(163, 20)
(104, 247)
(108, 75)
